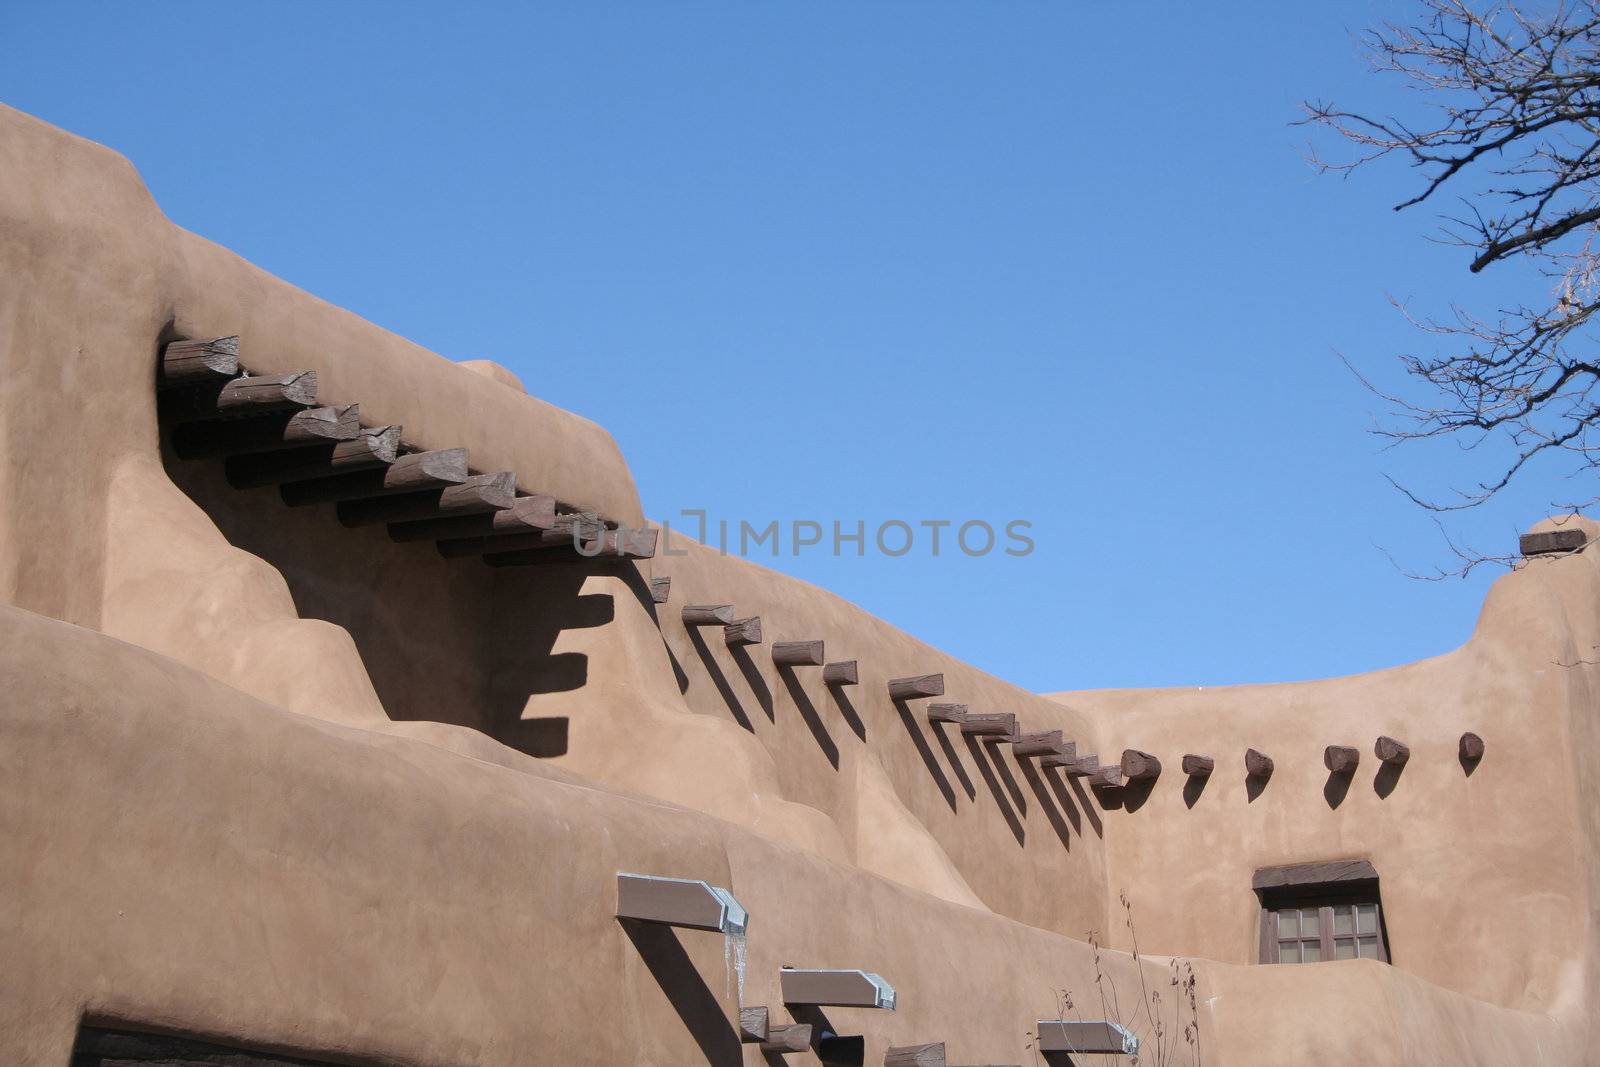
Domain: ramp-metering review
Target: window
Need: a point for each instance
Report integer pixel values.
(1312, 912)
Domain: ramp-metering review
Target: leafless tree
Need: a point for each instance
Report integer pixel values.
(1510, 123)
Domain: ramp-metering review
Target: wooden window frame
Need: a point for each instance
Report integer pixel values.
(1320, 886)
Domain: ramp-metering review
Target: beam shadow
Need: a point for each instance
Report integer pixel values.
(1058, 786)
(1047, 805)
(954, 757)
(1335, 788)
(691, 998)
(914, 729)
(808, 712)
(718, 679)
(996, 751)
(752, 678)
(1136, 793)
(848, 710)
(825, 1040)
(1088, 809)
(981, 758)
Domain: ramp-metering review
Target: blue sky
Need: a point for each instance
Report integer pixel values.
(1061, 263)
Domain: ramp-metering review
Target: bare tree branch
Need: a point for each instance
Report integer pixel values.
(1512, 119)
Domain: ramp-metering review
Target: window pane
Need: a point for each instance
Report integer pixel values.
(1344, 920)
(1369, 948)
(1344, 949)
(1367, 918)
(1289, 923)
(1311, 951)
(1308, 922)
(1289, 952)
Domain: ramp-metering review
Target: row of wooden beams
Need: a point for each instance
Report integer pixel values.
(1339, 759)
(271, 433)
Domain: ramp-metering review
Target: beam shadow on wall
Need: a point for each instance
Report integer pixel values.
(996, 753)
(914, 730)
(1058, 787)
(1085, 806)
(981, 759)
(663, 954)
(826, 1042)
(954, 758)
(808, 712)
(1336, 788)
(1046, 804)
(848, 710)
(719, 679)
(752, 678)
(1388, 776)
(113, 1046)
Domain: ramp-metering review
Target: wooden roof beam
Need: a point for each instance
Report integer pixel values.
(798, 654)
(271, 432)
(841, 672)
(921, 685)
(198, 362)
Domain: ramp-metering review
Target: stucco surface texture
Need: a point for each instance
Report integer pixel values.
(275, 782)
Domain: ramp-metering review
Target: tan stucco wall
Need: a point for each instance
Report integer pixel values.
(1488, 880)
(176, 854)
(283, 795)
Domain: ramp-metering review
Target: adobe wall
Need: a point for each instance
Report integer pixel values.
(1488, 880)
(108, 529)
(1025, 843)
(317, 822)
(177, 855)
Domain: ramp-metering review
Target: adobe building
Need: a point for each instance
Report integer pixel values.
(323, 743)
